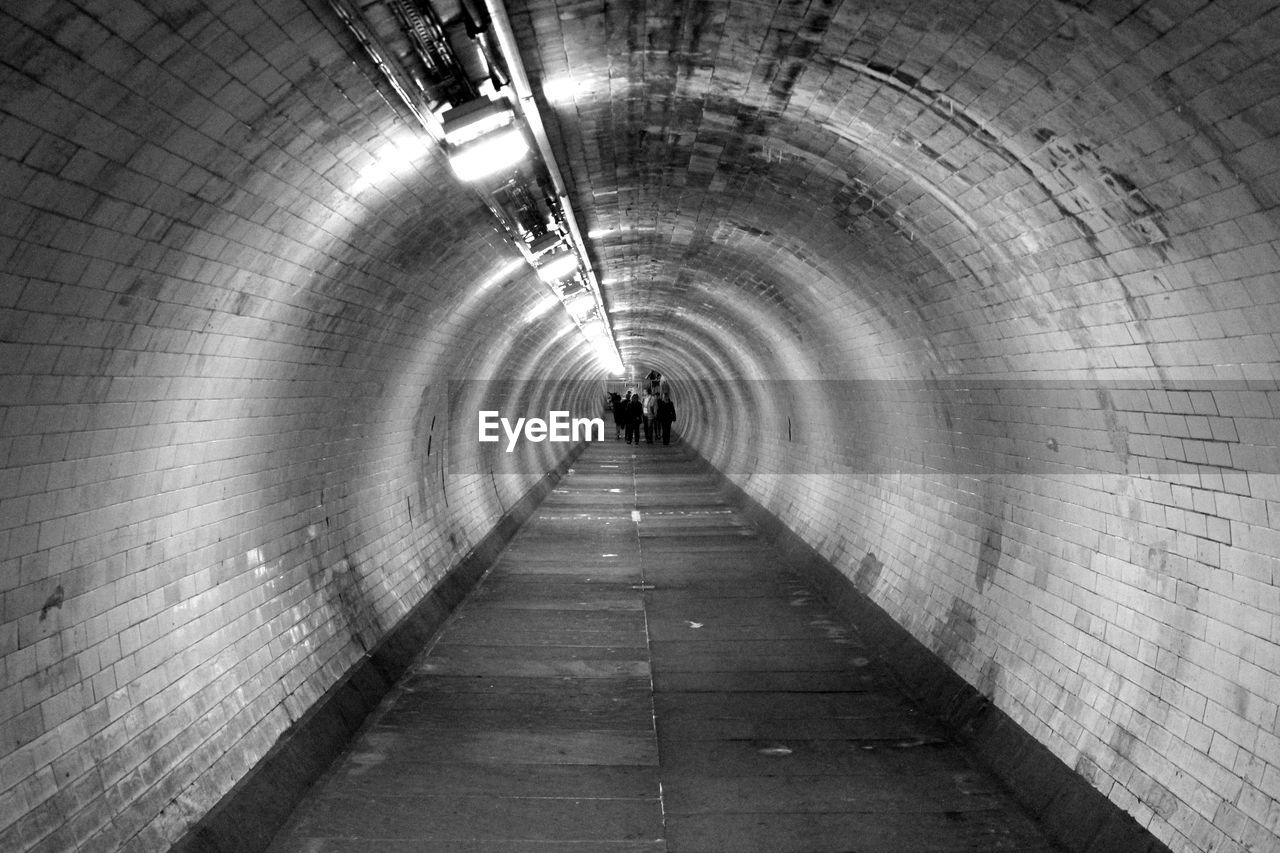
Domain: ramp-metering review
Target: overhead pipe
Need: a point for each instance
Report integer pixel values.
(533, 119)
(400, 82)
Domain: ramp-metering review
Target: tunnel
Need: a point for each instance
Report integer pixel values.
(975, 304)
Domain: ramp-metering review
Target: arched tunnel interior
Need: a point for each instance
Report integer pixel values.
(979, 299)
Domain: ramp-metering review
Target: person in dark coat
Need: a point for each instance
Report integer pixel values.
(665, 415)
(635, 416)
(619, 413)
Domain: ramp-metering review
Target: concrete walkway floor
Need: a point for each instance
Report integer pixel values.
(641, 672)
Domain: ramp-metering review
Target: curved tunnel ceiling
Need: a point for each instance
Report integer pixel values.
(239, 277)
(950, 168)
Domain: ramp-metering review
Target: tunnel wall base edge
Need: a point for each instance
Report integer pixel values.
(1075, 813)
(257, 807)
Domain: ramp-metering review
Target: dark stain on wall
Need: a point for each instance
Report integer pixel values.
(790, 52)
(1088, 769)
(989, 554)
(1122, 742)
(989, 678)
(1158, 798)
(1094, 188)
(421, 446)
(334, 576)
(1245, 171)
(146, 286)
(850, 203)
(53, 601)
(1041, 577)
(1240, 699)
(868, 573)
(354, 603)
(697, 22)
(752, 230)
(750, 127)
(957, 632)
(1117, 432)
(1157, 560)
(931, 99)
(991, 549)
(241, 304)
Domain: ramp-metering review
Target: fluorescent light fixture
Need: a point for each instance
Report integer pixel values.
(545, 243)
(474, 119)
(489, 155)
(558, 267)
(581, 304)
(597, 233)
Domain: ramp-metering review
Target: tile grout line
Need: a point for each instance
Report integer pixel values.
(648, 645)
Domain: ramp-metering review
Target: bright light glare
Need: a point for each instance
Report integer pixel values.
(597, 233)
(597, 334)
(580, 305)
(502, 272)
(541, 308)
(491, 154)
(558, 267)
(608, 359)
(394, 158)
(559, 90)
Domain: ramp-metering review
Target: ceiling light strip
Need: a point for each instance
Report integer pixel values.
(533, 118)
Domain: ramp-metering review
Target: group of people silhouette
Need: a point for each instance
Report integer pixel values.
(649, 411)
